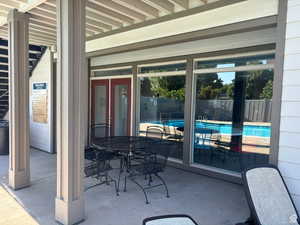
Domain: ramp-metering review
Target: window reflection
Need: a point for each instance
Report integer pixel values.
(233, 119)
(162, 109)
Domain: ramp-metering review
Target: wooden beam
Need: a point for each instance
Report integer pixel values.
(89, 32)
(44, 34)
(43, 13)
(41, 24)
(43, 19)
(4, 14)
(51, 2)
(47, 8)
(103, 19)
(37, 41)
(122, 9)
(4, 8)
(98, 24)
(10, 4)
(33, 4)
(108, 12)
(21, 1)
(41, 36)
(162, 4)
(93, 28)
(140, 6)
(42, 29)
(182, 3)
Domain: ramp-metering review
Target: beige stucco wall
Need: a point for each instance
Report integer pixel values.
(243, 11)
(41, 133)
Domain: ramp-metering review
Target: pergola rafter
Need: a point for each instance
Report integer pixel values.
(101, 15)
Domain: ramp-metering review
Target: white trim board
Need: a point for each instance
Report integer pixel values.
(246, 39)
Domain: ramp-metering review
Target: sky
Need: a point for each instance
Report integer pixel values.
(227, 77)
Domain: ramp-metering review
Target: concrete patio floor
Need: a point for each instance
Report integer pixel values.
(209, 201)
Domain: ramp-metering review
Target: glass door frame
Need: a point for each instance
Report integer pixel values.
(187, 162)
(108, 79)
(192, 92)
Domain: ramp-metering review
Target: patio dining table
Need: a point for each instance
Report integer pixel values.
(125, 144)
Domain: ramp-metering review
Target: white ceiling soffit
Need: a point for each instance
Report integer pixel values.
(103, 17)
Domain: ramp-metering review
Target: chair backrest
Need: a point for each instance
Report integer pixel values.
(160, 152)
(155, 131)
(90, 153)
(99, 130)
(268, 197)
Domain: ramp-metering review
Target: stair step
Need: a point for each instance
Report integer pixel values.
(3, 51)
(3, 67)
(3, 74)
(4, 59)
(3, 81)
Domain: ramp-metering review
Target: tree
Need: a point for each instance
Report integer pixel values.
(257, 80)
(267, 91)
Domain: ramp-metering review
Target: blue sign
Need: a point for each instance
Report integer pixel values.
(40, 86)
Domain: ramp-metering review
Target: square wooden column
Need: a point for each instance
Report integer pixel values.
(71, 102)
(19, 167)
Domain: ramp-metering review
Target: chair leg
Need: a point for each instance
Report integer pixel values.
(116, 187)
(140, 186)
(164, 183)
(125, 183)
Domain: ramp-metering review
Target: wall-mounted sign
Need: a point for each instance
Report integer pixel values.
(39, 102)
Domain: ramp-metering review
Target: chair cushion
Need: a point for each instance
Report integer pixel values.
(270, 197)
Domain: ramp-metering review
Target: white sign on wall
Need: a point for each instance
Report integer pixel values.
(39, 102)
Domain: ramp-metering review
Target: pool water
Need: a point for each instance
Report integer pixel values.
(248, 130)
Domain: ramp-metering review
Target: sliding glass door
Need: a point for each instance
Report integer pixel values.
(232, 120)
(162, 100)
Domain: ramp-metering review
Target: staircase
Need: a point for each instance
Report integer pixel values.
(35, 53)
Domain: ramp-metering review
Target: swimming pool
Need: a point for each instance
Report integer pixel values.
(248, 130)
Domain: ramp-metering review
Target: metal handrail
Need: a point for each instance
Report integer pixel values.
(4, 94)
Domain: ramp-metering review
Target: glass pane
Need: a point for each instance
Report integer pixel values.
(100, 111)
(233, 62)
(101, 73)
(233, 119)
(162, 109)
(100, 104)
(121, 110)
(163, 68)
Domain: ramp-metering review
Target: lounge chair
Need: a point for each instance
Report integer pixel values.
(268, 197)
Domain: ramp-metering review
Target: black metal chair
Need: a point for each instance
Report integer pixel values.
(97, 166)
(140, 147)
(154, 162)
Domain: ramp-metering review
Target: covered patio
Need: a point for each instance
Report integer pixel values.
(199, 196)
(206, 83)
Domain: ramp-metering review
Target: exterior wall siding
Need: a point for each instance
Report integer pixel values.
(289, 144)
